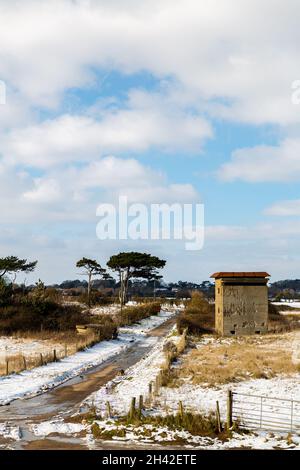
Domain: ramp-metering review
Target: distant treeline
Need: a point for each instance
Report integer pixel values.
(287, 288)
(143, 287)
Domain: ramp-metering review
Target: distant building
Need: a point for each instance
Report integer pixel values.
(241, 303)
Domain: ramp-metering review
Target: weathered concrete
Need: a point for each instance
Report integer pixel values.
(241, 303)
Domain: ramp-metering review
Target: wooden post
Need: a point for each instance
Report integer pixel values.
(7, 364)
(181, 412)
(108, 409)
(161, 377)
(54, 355)
(132, 409)
(24, 363)
(41, 359)
(141, 404)
(66, 350)
(218, 418)
(157, 385)
(229, 409)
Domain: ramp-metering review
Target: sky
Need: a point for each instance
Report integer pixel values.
(164, 101)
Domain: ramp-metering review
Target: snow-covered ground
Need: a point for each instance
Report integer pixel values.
(197, 398)
(149, 434)
(111, 310)
(135, 382)
(9, 431)
(114, 309)
(295, 305)
(56, 426)
(11, 346)
(41, 379)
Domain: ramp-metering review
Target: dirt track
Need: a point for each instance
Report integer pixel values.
(65, 399)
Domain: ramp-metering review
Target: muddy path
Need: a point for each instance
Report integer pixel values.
(65, 400)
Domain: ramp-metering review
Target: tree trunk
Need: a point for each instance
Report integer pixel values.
(89, 289)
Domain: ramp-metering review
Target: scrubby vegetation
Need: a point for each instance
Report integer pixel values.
(282, 323)
(133, 314)
(36, 310)
(152, 426)
(198, 316)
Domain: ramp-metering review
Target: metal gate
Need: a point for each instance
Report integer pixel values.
(259, 412)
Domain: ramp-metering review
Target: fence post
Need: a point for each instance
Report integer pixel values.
(218, 418)
(54, 355)
(132, 409)
(41, 359)
(141, 402)
(229, 408)
(108, 409)
(141, 405)
(150, 391)
(7, 363)
(181, 412)
(24, 363)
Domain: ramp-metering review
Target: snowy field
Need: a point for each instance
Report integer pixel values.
(293, 305)
(39, 380)
(11, 346)
(114, 309)
(196, 398)
(149, 434)
(135, 382)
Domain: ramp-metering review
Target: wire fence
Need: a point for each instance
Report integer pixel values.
(260, 412)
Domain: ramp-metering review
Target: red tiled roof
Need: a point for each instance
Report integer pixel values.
(240, 274)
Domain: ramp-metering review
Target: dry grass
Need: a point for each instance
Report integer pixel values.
(235, 360)
(63, 343)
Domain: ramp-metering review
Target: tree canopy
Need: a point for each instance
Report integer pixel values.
(91, 268)
(134, 265)
(90, 265)
(13, 264)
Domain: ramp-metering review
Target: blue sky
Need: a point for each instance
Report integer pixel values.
(163, 101)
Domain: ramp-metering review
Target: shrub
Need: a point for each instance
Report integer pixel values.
(198, 316)
(96, 298)
(37, 314)
(136, 313)
(6, 292)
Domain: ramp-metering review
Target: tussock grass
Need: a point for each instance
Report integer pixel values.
(215, 364)
(194, 423)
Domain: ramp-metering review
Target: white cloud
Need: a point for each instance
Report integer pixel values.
(45, 191)
(214, 49)
(284, 208)
(264, 163)
(74, 194)
(147, 121)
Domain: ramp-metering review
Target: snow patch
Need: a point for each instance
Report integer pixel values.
(39, 380)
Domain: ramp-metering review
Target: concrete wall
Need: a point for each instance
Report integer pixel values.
(241, 309)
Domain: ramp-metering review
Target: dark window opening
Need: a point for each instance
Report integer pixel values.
(232, 332)
(257, 332)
